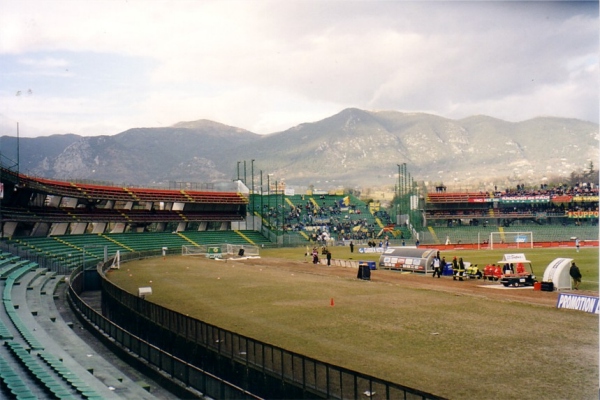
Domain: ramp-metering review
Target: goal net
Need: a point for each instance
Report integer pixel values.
(511, 239)
(217, 250)
(194, 250)
(242, 250)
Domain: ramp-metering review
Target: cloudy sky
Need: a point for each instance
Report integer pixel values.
(101, 67)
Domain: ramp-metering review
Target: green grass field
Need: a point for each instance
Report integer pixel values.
(456, 345)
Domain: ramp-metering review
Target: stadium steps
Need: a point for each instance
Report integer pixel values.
(188, 239)
(74, 245)
(58, 239)
(246, 238)
(312, 200)
(501, 230)
(223, 237)
(121, 245)
(304, 235)
(433, 235)
(92, 243)
(47, 247)
(148, 241)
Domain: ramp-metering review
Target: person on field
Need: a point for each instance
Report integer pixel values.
(315, 255)
(442, 263)
(351, 247)
(328, 258)
(577, 244)
(575, 274)
(437, 268)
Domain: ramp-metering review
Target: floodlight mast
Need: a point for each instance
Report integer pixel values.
(252, 203)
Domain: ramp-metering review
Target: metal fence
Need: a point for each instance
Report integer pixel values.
(265, 370)
(177, 369)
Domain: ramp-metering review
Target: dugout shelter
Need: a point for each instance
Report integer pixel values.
(412, 259)
(557, 272)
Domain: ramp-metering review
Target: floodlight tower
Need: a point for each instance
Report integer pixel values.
(276, 210)
(252, 202)
(269, 197)
(262, 209)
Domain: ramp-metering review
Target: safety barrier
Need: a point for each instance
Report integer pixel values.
(180, 371)
(186, 347)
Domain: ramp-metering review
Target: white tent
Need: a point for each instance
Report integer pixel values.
(557, 272)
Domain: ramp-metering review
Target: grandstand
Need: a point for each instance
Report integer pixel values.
(39, 207)
(32, 363)
(478, 234)
(50, 228)
(42, 207)
(302, 218)
(558, 214)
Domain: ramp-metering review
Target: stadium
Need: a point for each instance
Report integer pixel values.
(193, 292)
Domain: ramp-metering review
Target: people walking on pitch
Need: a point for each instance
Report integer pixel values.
(575, 274)
(315, 255)
(437, 269)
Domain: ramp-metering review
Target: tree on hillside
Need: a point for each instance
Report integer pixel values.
(589, 175)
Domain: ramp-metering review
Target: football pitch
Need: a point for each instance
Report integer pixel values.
(461, 340)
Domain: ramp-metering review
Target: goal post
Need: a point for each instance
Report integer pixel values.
(194, 250)
(248, 250)
(217, 250)
(116, 263)
(520, 239)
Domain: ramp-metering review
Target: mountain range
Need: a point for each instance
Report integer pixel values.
(354, 148)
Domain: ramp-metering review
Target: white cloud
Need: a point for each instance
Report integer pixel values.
(266, 66)
(46, 62)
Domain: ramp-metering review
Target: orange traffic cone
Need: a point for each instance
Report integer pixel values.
(332, 302)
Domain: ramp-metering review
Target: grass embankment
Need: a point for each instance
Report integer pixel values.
(450, 344)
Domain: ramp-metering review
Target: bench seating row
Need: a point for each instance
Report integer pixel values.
(56, 379)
